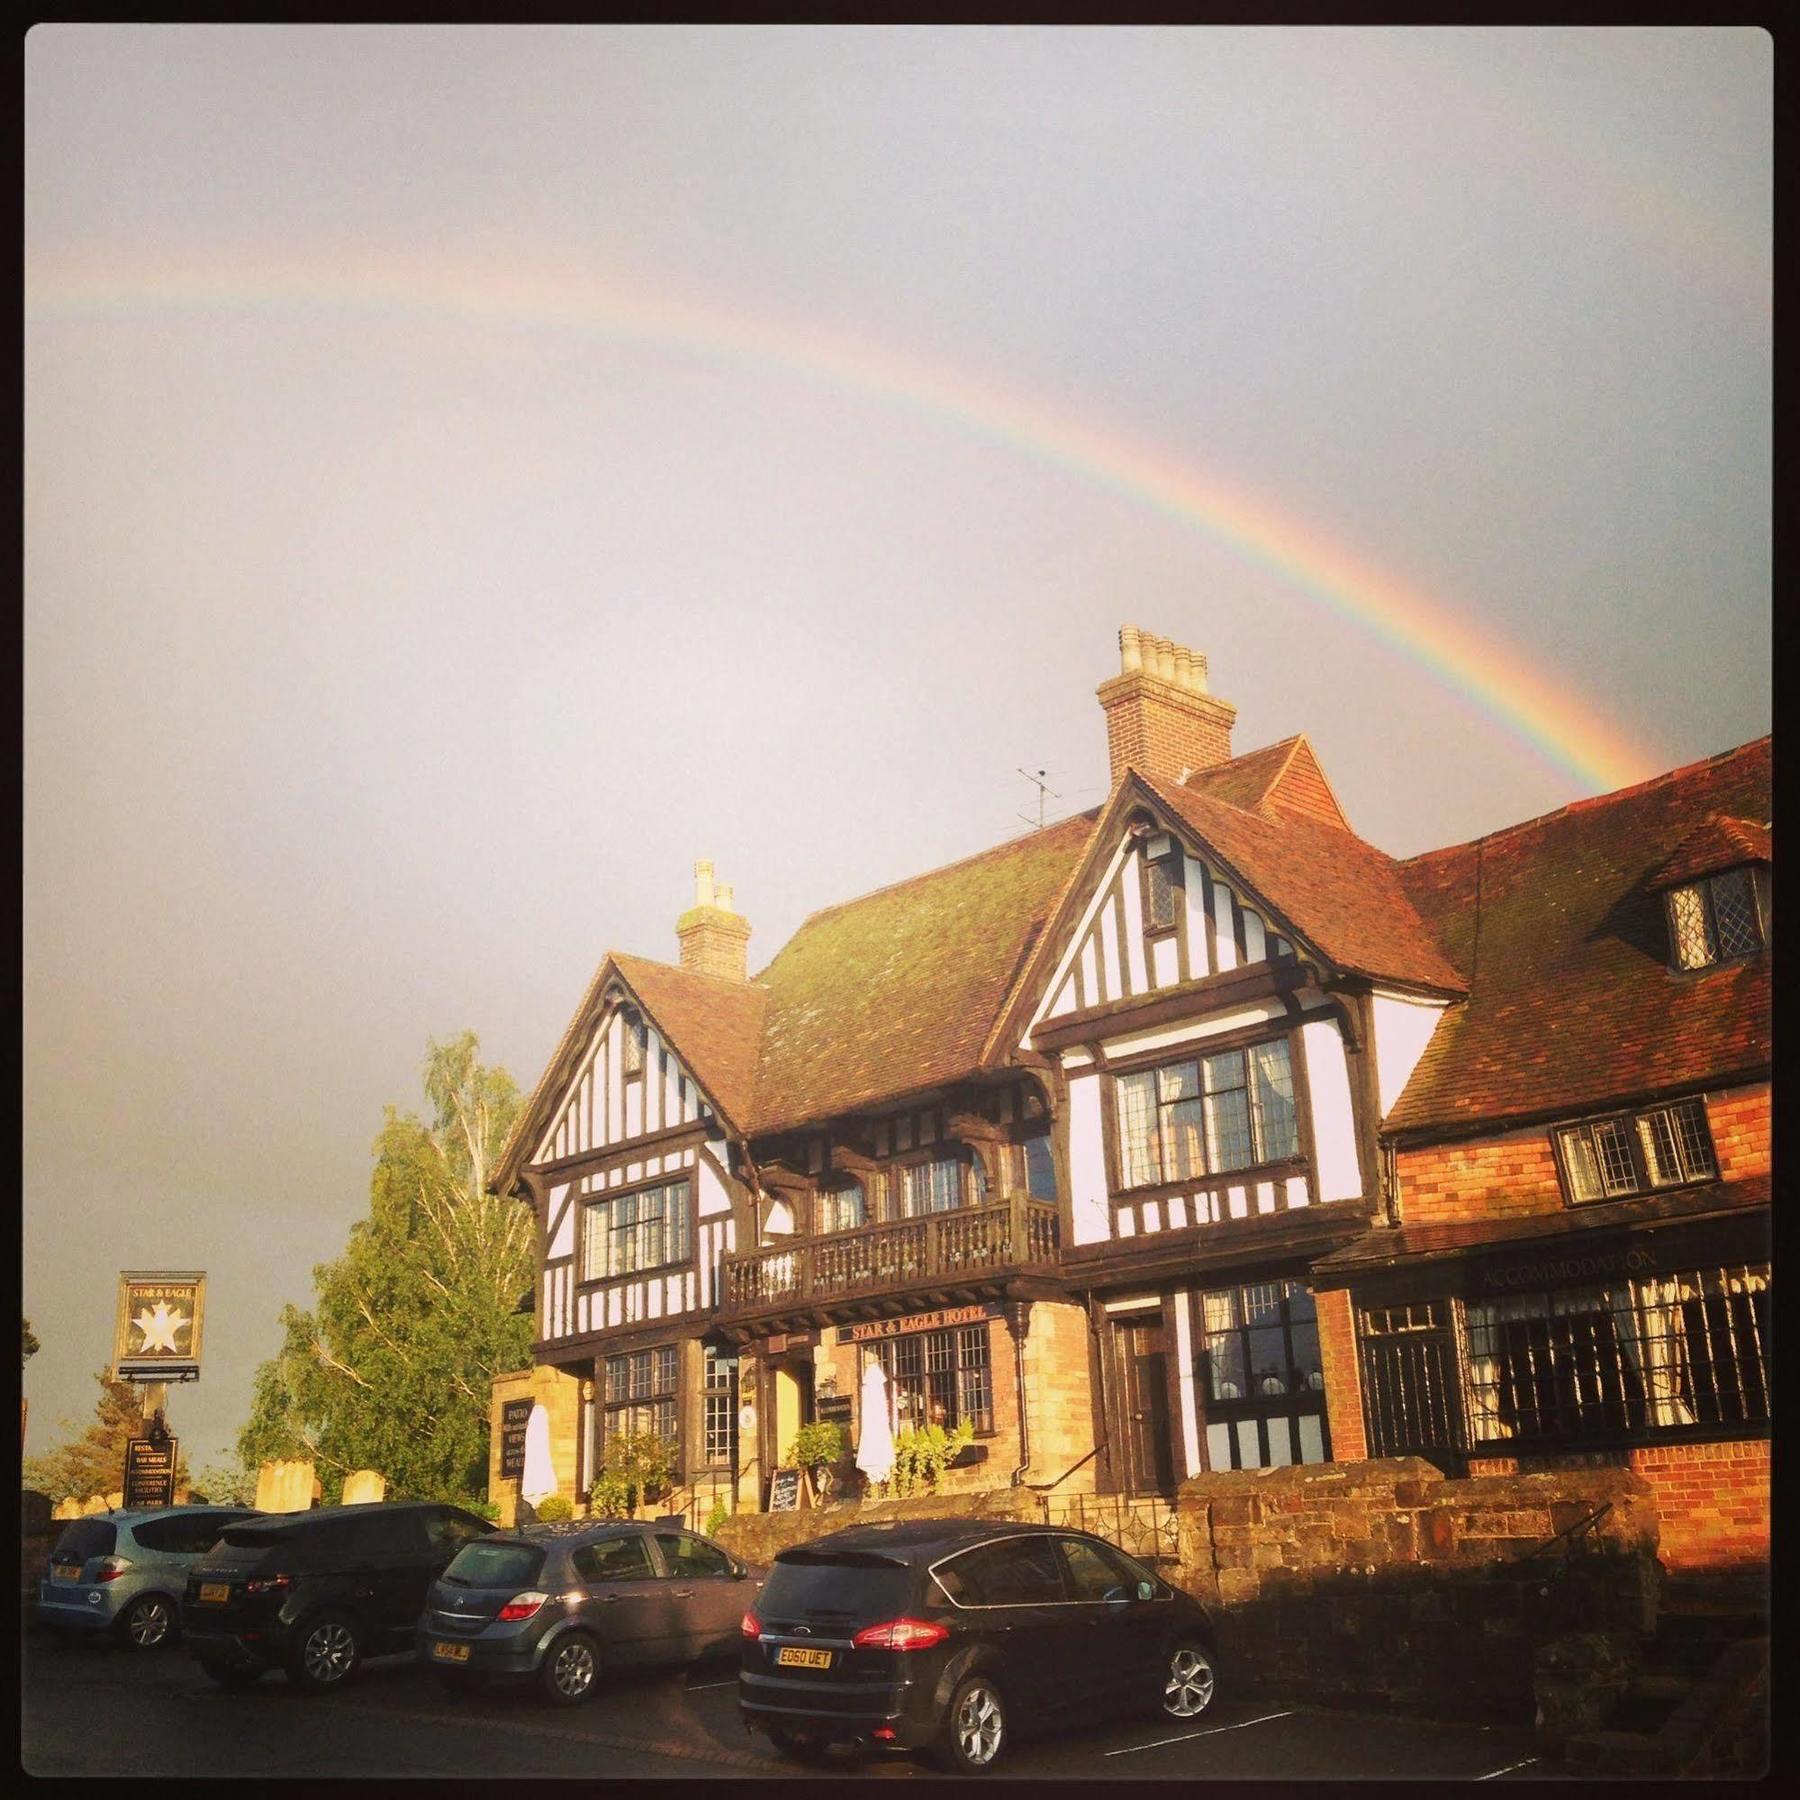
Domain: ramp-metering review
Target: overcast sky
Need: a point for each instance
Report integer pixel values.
(471, 473)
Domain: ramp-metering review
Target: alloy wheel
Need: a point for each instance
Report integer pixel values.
(572, 1669)
(330, 1652)
(979, 1725)
(1190, 1685)
(148, 1623)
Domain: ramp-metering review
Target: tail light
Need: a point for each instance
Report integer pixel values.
(112, 1568)
(267, 1584)
(900, 1634)
(750, 1625)
(520, 1606)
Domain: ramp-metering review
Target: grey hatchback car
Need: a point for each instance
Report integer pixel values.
(125, 1571)
(558, 1604)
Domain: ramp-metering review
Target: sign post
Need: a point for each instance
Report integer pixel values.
(156, 1340)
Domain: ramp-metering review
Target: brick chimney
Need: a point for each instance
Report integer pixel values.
(714, 939)
(1159, 716)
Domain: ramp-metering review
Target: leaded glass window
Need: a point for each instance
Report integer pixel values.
(1231, 1110)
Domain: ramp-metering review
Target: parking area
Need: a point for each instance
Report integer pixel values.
(94, 1709)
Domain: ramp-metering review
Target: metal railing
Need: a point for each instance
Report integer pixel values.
(1009, 1233)
(1146, 1526)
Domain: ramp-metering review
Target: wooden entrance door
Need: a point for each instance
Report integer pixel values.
(1143, 1354)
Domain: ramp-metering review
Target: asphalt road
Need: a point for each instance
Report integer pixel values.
(91, 1709)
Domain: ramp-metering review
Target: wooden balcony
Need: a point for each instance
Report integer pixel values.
(967, 1251)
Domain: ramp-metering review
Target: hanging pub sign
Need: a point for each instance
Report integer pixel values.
(931, 1321)
(515, 1415)
(158, 1334)
(150, 1471)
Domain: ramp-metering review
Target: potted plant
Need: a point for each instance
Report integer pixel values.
(818, 1448)
(921, 1455)
(635, 1466)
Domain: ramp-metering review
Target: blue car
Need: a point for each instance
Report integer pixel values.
(124, 1572)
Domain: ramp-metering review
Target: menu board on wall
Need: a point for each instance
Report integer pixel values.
(785, 1490)
(515, 1415)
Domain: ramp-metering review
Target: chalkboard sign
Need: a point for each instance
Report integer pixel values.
(150, 1472)
(784, 1490)
(515, 1415)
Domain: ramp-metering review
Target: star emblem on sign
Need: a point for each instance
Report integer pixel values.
(159, 1327)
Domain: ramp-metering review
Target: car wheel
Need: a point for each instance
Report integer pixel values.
(570, 1669)
(147, 1623)
(1189, 1679)
(231, 1675)
(325, 1653)
(797, 1748)
(974, 1733)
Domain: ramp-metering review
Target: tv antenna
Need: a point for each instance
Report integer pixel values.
(1037, 781)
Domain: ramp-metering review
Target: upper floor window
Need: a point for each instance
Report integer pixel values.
(1631, 1153)
(635, 1041)
(625, 1233)
(1162, 883)
(843, 1206)
(1231, 1110)
(929, 1187)
(1716, 919)
(1034, 1168)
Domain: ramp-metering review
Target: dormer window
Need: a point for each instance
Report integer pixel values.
(1632, 1153)
(1716, 919)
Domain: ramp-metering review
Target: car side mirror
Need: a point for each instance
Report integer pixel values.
(1146, 1590)
(738, 1571)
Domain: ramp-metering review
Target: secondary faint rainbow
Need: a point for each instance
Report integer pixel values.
(1561, 725)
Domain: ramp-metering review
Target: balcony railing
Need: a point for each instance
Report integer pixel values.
(969, 1241)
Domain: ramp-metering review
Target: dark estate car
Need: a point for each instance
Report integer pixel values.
(316, 1592)
(125, 1571)
(953, 1634)
(557, 1604)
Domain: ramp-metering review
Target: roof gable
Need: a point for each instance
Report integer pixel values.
(1718, 844)
(1572, 1002)
(1282, 778)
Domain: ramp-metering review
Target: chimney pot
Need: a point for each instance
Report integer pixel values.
(1131, 650)
(1165, 660)
(1160, 718)
(703, 884)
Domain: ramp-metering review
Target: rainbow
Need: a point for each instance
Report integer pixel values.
(1561, 725)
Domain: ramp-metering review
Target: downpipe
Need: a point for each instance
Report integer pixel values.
(1018, 1316)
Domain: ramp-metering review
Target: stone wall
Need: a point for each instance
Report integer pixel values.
(560, 1395)
(1375, 1583)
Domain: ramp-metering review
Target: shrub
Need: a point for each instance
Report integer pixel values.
(487, 1509)
(818, 1445)
(558, 1506)
(921, 1455)
(635, 1465)
(717, 1517)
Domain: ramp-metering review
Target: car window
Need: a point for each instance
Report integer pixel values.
(1020, 1571)
(85, 1538)
(1095, 1572)
(625, 1558)
(483, 1565)
(684, 1555)
(448, 1530)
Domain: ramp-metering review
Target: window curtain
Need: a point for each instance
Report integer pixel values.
(1648, 1322)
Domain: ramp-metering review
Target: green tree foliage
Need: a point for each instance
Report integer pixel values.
(391, 1368)
(94, 1462)
(224, 1486)
(31, 1343)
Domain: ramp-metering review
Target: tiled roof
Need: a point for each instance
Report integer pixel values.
(1718, 843)
(1387, 1244)
(1279, 778)
(1339, 893)
(895, 991)
(1572, 1001)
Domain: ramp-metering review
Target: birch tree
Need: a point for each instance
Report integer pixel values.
(392, 1367)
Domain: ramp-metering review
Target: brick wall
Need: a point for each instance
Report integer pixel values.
(1162, 729)
(1343, 1387)
(1513, 1174)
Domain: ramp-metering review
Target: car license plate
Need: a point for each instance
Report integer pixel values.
(66, 1571)
(791, 1656)
(450, 1652)
(214, 1593)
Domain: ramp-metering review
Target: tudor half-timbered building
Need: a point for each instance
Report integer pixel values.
(1144, 1142)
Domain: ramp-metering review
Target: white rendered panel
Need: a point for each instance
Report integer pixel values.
(1090, 969)
(1077, 1059)
(1183, 1034)
(1065, 999)
(653, 1115)
(1127, 1224)
(1249, 1451)
(615, 1080)
(634, 1110)
(581, 1312)
(1218, 1447)
(1153, 1215)
(714, 1198)
(1133, 895)
(1334, 1118)
(1402, 1030)
(1265, 1196)
(1296, 1190)
(1177, 1211)
(1254, 949)
(1087, 1163)
(1134, 1303)
(1165, 962)
(615, 1307)
(1101, 897)
(1199, 936)
(1281, 1452)
(1225, 954)
(1312, 1440)
(1184, 1361)
(1112, 983)
(1235, 1199)
(563, 1242)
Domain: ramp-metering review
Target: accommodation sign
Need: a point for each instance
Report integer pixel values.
(150, 1471)
(515, 1415)
(157, 1337)
(931, 1321)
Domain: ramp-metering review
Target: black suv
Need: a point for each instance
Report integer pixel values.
(956, 1635)
(316, 1592)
